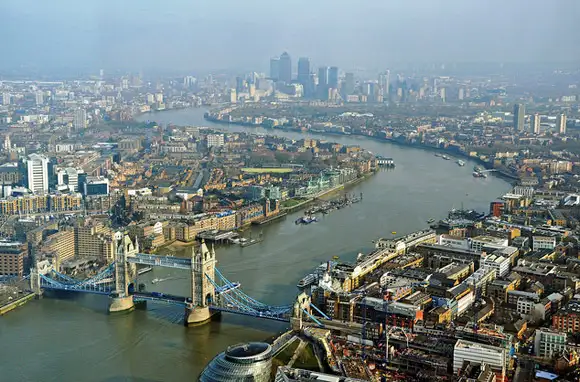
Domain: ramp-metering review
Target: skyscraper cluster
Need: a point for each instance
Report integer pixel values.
(327, 83)
(328, 77)
(281, 68)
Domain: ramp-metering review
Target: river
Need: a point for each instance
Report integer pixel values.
(73, 338)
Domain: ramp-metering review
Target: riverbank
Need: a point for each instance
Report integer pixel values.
(5, 308)
(500, 173)
(327, 193)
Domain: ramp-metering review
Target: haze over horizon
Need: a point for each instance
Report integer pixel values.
(225, 34)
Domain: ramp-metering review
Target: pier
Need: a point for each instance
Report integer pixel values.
(218, 236)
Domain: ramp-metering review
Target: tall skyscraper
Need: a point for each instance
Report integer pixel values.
(275, 68)
(5, 98)
(535, 124)
(37, 173)
(561, 123)
(519, 116)
(240, 84)
(80, 119)
(323, 82)
(303, 70)
(39, 97)
(333, 77)
(384, 82)
(348, 84)
(285, 73)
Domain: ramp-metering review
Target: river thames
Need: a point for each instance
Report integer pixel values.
(74, 339)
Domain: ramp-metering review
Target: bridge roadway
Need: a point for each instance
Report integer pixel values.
(160, 261)
(179, 300)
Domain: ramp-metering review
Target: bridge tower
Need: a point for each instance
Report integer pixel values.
(202, 290)
(123, 246)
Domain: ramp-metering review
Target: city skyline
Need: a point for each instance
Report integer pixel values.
(175, 36)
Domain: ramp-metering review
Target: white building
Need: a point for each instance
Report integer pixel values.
(543, 242)
(528, 192)
(39, 96)
(64, 147)
(6, 98)
(402, 244)
(479, 242)
(493, 356)
(561, 123)
(215, 140)
(501, 264)
(80, 119)
(549, 342)
(453, 241)
(525, 306)
(70, 177)
(535, 123)
(37, 173)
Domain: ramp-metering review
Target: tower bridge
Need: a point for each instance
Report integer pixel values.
(211, 292)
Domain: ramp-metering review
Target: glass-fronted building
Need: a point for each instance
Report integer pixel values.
(240, 363)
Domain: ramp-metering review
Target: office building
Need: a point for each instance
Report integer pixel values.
(94, 240)
(480, 243)
(94, 185)
(12, 259)
(9, 174)
(322, 89)
(68, 177)
(500, 264)
(80, 119)
(535, 124)
(384, 82)
(543, 242)
(233, 96)
(60, 247)
(348, 84)
(240, 363)
(442, 94)
(561, 123)
(285, 73)
(303, 71)
(288, 374)
(567, 319)
(275, 68)
(215, 140)
(476, 353)
(240, 84)
(519, 116)
(39, 97)
(333, 77)
(6, 98)
(37, 173)
(549, 342)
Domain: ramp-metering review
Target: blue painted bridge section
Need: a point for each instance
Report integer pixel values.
(229, 296)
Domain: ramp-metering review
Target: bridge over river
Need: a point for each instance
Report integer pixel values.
(211, 291)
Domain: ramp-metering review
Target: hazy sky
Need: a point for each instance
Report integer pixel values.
(221, 34)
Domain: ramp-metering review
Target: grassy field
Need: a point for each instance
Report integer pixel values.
(286, 355)
(266, 170)
(307, 360)
(291, 202)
